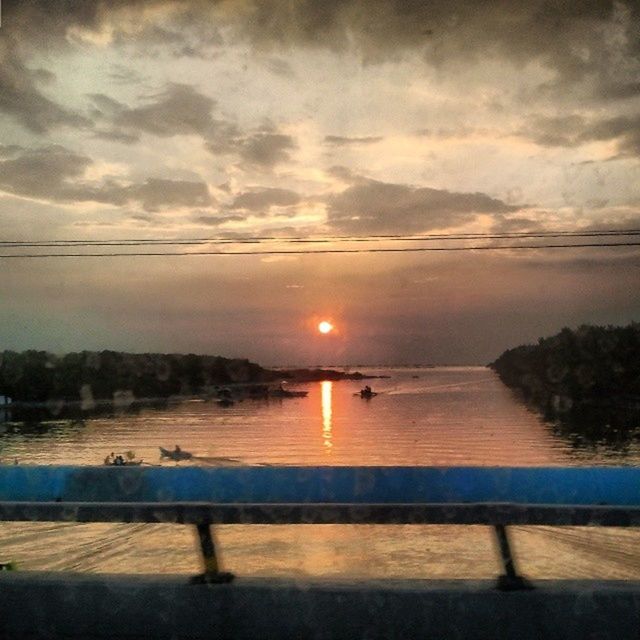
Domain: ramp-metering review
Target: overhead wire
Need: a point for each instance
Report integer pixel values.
(318, 240)
(322, 251)
(321, 241)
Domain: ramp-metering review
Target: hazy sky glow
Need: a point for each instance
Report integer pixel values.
(193, 119)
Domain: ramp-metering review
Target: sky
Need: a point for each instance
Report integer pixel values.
(225, 120)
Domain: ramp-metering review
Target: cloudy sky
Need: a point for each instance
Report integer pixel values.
(153, 119)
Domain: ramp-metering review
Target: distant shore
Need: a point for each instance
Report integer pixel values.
(93, 380)
(589, 377)
(317, 375)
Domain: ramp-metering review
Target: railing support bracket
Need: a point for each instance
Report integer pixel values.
(509, 580)
(211, 574)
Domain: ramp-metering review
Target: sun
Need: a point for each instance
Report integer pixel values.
(325, 327)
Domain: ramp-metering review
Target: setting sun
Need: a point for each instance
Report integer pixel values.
(325, 327)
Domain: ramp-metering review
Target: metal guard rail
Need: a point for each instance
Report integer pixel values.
(494, 496)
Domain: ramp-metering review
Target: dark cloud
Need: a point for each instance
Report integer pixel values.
(22, 98)
(116, 136)
(265, 149)
(620, 89)
(182, 110)
(515, 224)
(379, 207)
(260, 149)
(261, 200)
(216, 221)
(577, 40)
(156, 193)
(575, 130)
(279, 66)
(120, 74)
(458, 131)
(43, 173)
(570, 37)
(56, 174)
(186, 33)
(345, 174)
(621, 221)
(340, 141)
(177, 110)
(7, 150)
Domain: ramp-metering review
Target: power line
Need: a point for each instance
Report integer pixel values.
(318, 240)
(322, 251)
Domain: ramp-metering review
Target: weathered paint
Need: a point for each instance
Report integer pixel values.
(522, 485)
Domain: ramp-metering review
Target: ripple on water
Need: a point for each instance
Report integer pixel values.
(447, 416)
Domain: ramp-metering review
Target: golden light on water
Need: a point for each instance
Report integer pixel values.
(326, 389)
(325, 327)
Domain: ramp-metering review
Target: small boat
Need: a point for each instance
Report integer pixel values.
(126, 463)
(225, 402)
(177, 454)
(121, 461)
(366, 393)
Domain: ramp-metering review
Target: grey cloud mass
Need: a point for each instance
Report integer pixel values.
(182, 110)
(574, 130)
(178, 110)
(263, 199)
(379, 207)
(594, 39)
(262, 148)
(216, 221)
(266, 148)
(22, 98)
(575, 39)
(7, 150)
(56, 174)
(340, 141)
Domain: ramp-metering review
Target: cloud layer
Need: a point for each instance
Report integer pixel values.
(56, 174)
(372, 207)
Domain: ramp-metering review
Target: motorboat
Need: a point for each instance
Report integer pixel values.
(177, 454)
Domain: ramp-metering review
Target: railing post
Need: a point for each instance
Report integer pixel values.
(212, 574)
(509, 580)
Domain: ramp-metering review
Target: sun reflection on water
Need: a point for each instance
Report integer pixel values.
(326, 388)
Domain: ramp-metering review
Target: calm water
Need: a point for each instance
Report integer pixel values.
(440, 416)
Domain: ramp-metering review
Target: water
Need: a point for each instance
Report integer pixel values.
(429, 416)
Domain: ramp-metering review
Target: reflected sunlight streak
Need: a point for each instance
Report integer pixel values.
(327, 434)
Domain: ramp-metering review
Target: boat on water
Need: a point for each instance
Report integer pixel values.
(177, 454)
(128, 460)
(366, 393)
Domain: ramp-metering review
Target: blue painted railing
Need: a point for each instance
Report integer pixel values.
(495, 496)
(614, 486)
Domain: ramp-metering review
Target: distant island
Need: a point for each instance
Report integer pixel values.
(94, 377)
(314, 375)
(589, 377)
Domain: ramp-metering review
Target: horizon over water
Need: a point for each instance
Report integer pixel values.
(453, 415)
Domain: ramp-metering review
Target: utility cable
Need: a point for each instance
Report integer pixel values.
(322, 251)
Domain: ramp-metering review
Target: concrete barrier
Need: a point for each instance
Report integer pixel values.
(48, 606)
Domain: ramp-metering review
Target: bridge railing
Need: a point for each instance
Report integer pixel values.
(203, 497)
